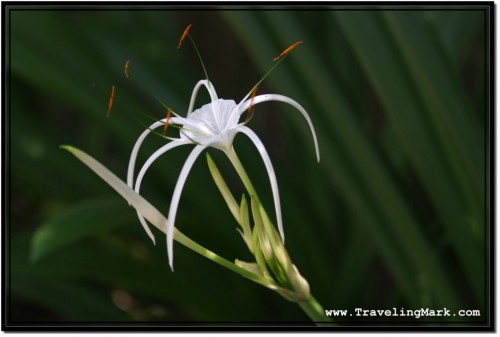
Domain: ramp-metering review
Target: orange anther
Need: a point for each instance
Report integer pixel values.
(186, 32)
(126, 68)
(111, 99)
(286, 51)
(165, 127)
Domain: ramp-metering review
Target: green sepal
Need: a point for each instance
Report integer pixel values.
(245, 224)
(265, 244)
(224, 189)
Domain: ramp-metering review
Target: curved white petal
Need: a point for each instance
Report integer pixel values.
(142, 172)
(280, 98)
(131, 167)
(138, 143)
(174, 203)
(153, 157)
(146, 227)
(135, 150)
(270, 172)
(211, 92)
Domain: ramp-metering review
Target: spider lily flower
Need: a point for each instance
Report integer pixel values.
(216, 124)
(212, 125)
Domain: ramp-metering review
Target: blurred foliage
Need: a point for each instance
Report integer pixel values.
(394, 215)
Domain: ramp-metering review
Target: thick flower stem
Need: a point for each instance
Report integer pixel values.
(233, 157)
(315, 312)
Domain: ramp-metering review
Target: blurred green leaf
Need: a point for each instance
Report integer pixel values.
(365, 176)
(416, 124)
(77, 223)
(456, 30)
(86, 304)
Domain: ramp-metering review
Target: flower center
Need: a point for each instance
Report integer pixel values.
(212, 123)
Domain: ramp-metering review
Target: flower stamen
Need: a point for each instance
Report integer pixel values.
(286, 51)
(165, 127)
(126, 68)
(186, 32)
(111, 99)
(279, 59)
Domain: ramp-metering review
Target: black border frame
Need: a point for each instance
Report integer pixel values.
(488, 7)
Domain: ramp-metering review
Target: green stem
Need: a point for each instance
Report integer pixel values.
(233, 157)
(188, 243)
(315, 312)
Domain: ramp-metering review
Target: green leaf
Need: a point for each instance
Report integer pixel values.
(68, 299)
(98, 266)
(350, 156)
(137, 201)
(457, 30)
(446, 104)
(429, 114)
(77, 223)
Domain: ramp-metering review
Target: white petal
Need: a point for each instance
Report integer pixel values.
(270, 171)
(130, 172)
(174, 203)
(146, 227)
(138, 143)
(280, 98)
(142, 172)
(135, 150)
(153, 157)
(211, 92)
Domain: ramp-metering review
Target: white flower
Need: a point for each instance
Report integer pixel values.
(214, 124)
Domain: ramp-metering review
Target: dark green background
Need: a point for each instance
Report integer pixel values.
(394, 215)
